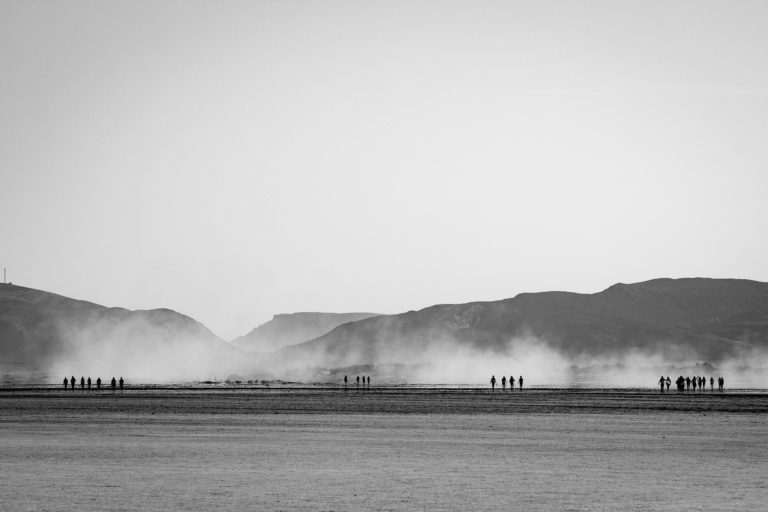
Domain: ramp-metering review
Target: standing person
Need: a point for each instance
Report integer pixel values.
(493, 382)
(503, 382)
(72, 382)
(89, 383)
(121, 383)
(711, 383)
(114, 383)
(358, 382)
(369, 382)
(511, 382)
(693, 383)
(345, 382)
(98, 383)
(520, 382)
(661, 383)
(66, 383)
(669, 382)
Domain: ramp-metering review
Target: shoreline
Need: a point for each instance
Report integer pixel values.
(190, 401)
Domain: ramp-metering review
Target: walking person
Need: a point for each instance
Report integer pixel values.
(66, 383)
(114, 383)
(98, 383)
(662, 382)
(669, 382)
(89, 383)
(520, 382)
(511, 382)
(345, 383)
(711, 383)
(503, 382)
(493, 382)
(121, 383)
(72, 382)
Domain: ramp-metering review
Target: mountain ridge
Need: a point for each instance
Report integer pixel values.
(46, 330)
(698, 317)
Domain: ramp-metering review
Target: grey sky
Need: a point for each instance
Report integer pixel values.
(232, 160)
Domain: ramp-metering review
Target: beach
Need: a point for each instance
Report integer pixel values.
(393, 448)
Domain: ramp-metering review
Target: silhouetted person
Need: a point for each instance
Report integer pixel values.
(520, 382)
(121, 383)
(720, 383)
(98, 383)
(369, 382)
(358, 382)
(89, 383)
(687, 383)
(66, 383)
(114, 383)
(661, 383)
(511, 382)
(712, 383)
(680, 383)
(669, 382)
(503, 382)
(72, 382)
(693, 383)
(345, 382)
(493, 382)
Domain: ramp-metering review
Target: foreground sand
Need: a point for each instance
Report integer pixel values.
(387, 449)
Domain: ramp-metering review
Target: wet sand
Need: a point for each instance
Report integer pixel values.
(173, 448)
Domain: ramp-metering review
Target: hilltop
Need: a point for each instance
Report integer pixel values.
(289, 329)
(49, 332)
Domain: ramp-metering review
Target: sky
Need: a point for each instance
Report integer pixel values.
(234, 160)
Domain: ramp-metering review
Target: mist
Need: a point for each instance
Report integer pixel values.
(157, 346)
(448, 361)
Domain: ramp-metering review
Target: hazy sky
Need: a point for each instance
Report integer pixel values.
(232, 160)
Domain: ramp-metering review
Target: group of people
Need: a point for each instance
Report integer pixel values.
(358, 380)
(84, 382)
(688, 383)
(504, 382)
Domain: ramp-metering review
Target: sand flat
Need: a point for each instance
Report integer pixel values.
(304, 449)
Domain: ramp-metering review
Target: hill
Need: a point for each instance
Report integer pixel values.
(289, 329)
(50, 333)
(674, 319)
